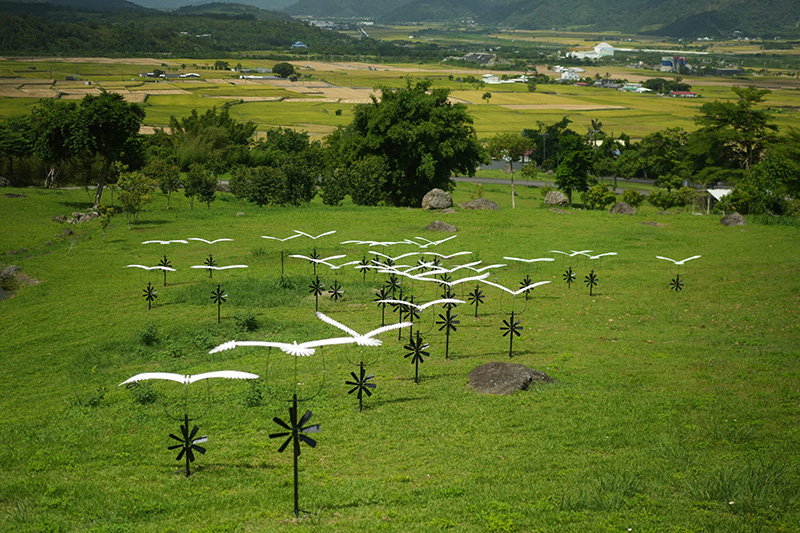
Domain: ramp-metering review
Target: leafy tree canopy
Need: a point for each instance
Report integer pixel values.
(418, 134)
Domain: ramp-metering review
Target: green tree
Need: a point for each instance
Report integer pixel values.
(199, 183)
(572, 173)
(531, 84)
(106, 125)
(167, 176)
(15, 140)
(511, 147)
(213, 139)
(284, 70)
(419, 135)
(135, 191)
(52, 130)
(486, 96)
(743, 128)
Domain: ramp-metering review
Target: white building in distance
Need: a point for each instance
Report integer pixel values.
(600, 50)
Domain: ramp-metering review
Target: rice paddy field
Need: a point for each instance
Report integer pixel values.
(670, 411)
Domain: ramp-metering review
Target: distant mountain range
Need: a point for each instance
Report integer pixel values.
(675, 18)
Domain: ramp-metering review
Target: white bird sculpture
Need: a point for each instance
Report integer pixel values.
(453, 283)
(313, 237)
(682, 261)
(598, 256)
(515, 293)
(430, 242)
(279, 239)
(446, 256)
(367, 338)
(337, 267)
(302, 349)
(159, 267)
(208, 242)
(186, 379)
(166, 242)
(397, 257)
(425, 305)
(319, 260)
(536, 260)
(571, 253)
(207, 267)
(487, 267)
(376, 243)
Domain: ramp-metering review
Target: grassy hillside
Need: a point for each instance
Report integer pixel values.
(671, 411)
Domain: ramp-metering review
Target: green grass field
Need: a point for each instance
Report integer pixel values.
(670, 411)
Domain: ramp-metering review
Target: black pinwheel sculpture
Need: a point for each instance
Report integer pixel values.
(336, 291)
(448, 323)
(526, 282)
(361, 383)
(363, 266)
(295, 433)
(591, 281)
(416, 350)
(676, 284)
(218, 296)
(511, 328)
(188, 444)
(392, 284)
(382, 295)
(312, 258)
(448, 294)
(166, 263)
(569, 277)
(210, 262)
(476, 298)
(150, 294)
(317, 288)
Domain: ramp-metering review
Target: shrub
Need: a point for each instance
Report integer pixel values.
(477, 192)
(662, 199)
(245, 321)
(546, 189)
(143, 393)
(633, 198)
(333, 187)
(598, 197)
(149, 335)
(685, 195)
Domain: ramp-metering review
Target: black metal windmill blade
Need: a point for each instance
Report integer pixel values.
(296, 432)
(188, 444)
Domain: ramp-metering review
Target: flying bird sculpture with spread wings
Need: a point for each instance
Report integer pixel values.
(682, 261)
(209, 242)
(187, 379)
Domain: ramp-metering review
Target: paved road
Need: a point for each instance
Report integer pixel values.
(532, 183)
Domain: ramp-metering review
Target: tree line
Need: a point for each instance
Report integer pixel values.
(396, 148)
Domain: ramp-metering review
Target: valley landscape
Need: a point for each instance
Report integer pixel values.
(675, 401)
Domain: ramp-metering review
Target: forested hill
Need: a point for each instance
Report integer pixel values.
(189, 32)
(677, 18)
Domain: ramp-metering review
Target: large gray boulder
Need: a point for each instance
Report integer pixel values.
(556, 198)
(622, 208)
(438, 225)
(480, 204)
(437, 199)
(733, 219)
(504, 378)
(9, 272)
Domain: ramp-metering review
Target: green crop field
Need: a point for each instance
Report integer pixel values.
(635, 114)
(669, 411)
